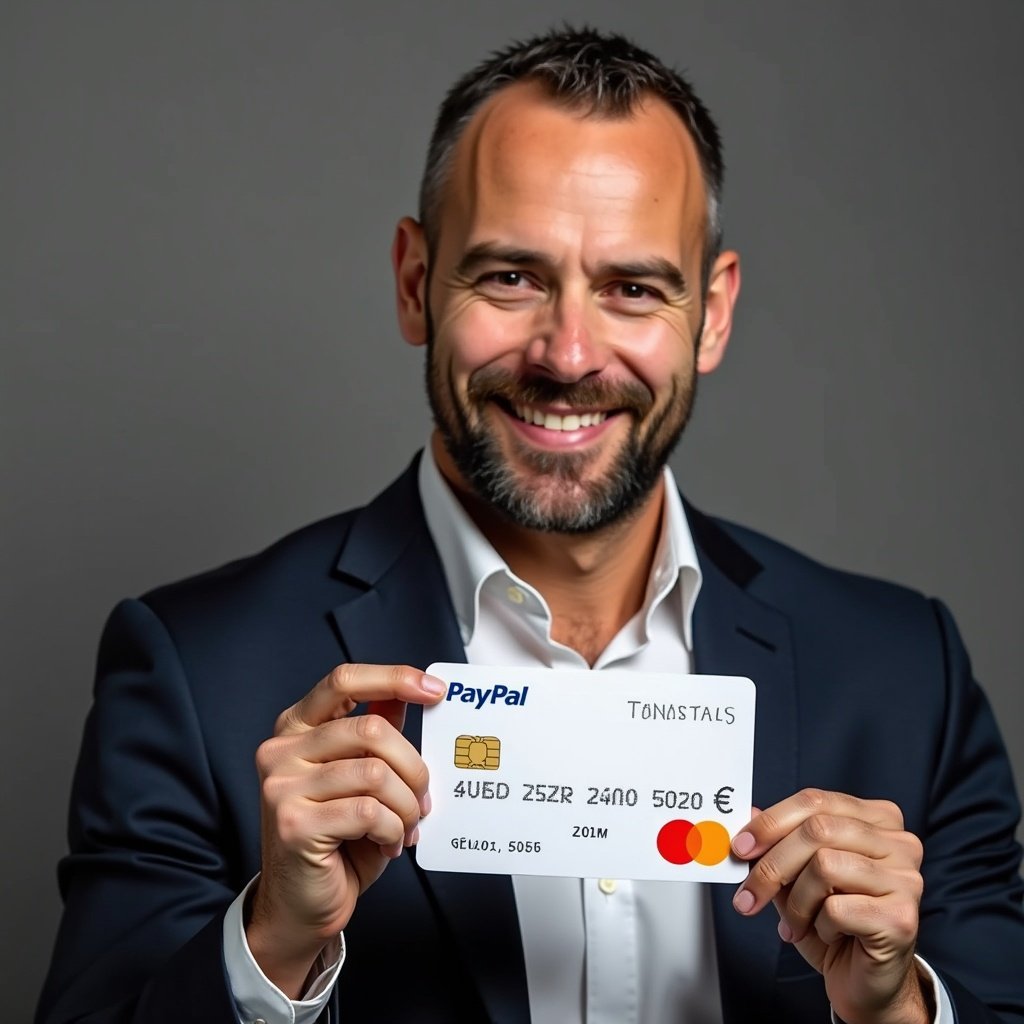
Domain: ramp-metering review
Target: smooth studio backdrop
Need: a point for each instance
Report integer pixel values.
(198, 343)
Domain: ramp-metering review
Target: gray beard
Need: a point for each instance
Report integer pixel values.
(562, 501)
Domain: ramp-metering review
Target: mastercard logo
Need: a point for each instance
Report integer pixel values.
(681, 842)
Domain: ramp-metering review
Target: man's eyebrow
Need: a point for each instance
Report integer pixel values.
(494, 252)
(657, 267)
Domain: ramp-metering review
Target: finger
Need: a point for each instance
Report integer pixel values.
(832, 872)
(811, 948)
(779, 820)
(368, 776)
(287, 762)
(348, 685)
(366, 736)
(784, 862)
(886, 927)
(351, 818)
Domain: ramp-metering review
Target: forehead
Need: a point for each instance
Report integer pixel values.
(527, 164)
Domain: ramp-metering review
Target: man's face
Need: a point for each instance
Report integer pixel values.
(563, 309)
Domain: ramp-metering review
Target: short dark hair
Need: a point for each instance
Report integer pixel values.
(603, 73)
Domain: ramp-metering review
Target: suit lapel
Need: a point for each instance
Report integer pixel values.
(736, 634)
(399, 612)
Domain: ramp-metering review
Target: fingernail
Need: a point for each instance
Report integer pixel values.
(743, 844)
(425, 804)
(785, 932)
(744, 901)
(432, 685)
(415, 837)
(392, 851)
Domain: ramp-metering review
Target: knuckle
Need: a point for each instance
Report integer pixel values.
(904, 922)
(812, 799)
(802, 912)
(284, 721)
(770, 872)
(915, 886)
(267, 756)
(373, 771)
(365, 811)
(915, 848)
(766, 824)
(819, 829)
(410, 815)
(289, 819)
(827, 863)
(892, 812)
(370, 727)
(340, 678)
(400, 674)
(419, 776)
(272, 790)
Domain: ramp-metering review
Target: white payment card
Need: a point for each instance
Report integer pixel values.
(613, 773)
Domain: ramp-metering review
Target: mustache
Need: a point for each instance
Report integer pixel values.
(493, 383)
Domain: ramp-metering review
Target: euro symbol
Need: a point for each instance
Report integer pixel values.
(723, 798)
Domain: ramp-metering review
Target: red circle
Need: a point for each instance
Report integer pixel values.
(678, 841)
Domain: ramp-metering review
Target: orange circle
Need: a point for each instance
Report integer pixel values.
(713, 845)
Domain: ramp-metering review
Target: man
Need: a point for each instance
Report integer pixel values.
(567, 279)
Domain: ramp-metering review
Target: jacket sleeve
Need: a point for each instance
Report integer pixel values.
(145, 884)
(971, 918)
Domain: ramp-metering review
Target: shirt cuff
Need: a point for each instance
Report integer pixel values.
(257, 998)
(943, 1004)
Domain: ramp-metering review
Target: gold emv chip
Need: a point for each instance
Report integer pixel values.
(477, 752)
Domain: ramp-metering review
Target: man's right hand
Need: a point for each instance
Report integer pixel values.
(340, 797)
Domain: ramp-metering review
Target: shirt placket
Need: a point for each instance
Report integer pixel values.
(612, 978)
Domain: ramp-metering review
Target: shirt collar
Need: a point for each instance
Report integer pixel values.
(469, 559)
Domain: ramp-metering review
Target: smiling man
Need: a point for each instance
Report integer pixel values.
(562, 299)
(567, 279)
(564, 307)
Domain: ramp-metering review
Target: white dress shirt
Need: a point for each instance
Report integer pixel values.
(597, 951)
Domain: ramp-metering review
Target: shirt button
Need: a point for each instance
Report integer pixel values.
(515, 595)
(607, 885)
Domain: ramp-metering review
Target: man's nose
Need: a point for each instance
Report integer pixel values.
(566, 345)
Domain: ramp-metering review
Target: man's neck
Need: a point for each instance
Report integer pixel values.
(594, 583)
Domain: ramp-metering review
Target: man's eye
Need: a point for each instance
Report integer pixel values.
(507, 278)
(631, 290)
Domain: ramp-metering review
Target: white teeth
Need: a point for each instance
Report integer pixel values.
(550, 421)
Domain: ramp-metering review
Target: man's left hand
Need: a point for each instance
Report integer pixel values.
(845, 878)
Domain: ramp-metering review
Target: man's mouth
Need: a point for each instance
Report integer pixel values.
(555, 421)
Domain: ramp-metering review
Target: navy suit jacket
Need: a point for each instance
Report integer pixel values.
(862, 687)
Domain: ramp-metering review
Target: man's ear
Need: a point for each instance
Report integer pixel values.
(409, 263)
(719, 302)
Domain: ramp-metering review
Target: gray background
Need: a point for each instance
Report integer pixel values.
(199, 350)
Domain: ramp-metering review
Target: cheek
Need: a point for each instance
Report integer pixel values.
(658, 353)
(478, 335)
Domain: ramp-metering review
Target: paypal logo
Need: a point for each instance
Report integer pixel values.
(492, 695)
